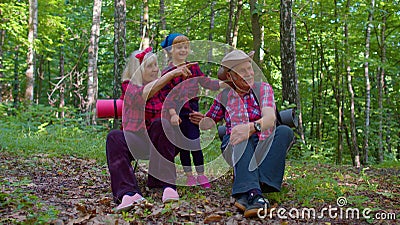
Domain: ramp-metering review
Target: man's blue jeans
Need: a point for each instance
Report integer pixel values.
(268, 175)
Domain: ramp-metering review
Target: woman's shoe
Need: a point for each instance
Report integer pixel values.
(170, 195)
(128, 202)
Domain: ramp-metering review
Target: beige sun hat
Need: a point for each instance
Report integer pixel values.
(231, 60)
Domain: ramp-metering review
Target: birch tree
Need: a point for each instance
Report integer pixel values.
(290, 89)
(229, 28)
(381, 85)
(93, 54)
(32, 34)
(145, 33)
(119, 46)
(354, 147)
(236, 23)
(119, 43)
(367, 84)
(255, 29)
(162, 16)
(2, 37)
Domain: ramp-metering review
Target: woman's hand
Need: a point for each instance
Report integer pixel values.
(183, 70)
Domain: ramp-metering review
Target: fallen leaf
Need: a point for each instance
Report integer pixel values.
(213, 218)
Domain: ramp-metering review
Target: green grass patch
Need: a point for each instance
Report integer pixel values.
(31, 132)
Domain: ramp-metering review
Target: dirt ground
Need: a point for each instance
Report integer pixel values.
(80, 191)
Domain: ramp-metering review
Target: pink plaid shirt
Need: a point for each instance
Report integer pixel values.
(242, 110)
(138, 114)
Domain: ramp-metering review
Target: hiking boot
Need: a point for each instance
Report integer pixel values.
(203, 181)
(128, 202)
(190, 181)
(255, 202)
(242, 201)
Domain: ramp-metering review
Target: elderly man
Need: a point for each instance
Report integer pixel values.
(253, 145)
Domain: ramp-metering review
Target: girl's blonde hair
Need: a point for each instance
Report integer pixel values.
(181, 39)
(134, 69)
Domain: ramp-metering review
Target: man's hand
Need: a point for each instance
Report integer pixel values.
(196, 117)
(240, 133)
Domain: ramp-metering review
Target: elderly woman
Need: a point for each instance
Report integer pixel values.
(144, 134)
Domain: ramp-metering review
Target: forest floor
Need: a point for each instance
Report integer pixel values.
(68, 190)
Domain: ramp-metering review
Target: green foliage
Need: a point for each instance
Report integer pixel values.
(309, 184)
(39, 130)
(64, 30)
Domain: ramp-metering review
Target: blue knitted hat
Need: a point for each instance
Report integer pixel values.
(167, 43)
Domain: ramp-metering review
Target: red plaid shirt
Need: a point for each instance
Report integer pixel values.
(189, 88)
(138, 114)
(242, 110)
(124, 86)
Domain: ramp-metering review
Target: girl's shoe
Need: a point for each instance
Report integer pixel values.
(203, 181)
(191, 181)
(170, 195)
(128, 202)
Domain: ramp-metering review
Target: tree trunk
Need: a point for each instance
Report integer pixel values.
(255, 30)
(313, 86)
(119, 44)
(93, 54)
(145, 38)
(367, 85)
(15, 91)
(356, 159)
(381, 85)
(290, 89)
(164, 56)
(338, 94)
(40, 79)
(62, 85)
(320, 85)
(229, 33)
(355, 155)
(162, 16)
(2, 37)
(236, 23)
(212, 19)
(119, 47)
(30, 72)
(288, 52)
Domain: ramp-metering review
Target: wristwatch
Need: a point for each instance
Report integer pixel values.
(257, 126)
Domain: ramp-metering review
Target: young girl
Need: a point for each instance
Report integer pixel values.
(144, 134)
(177, 47)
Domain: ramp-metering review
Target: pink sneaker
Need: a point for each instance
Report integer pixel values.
(170, 195)
(203, 181)
(128, 202)
(191, 181)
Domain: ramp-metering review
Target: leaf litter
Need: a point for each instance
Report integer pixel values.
(79, 189)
